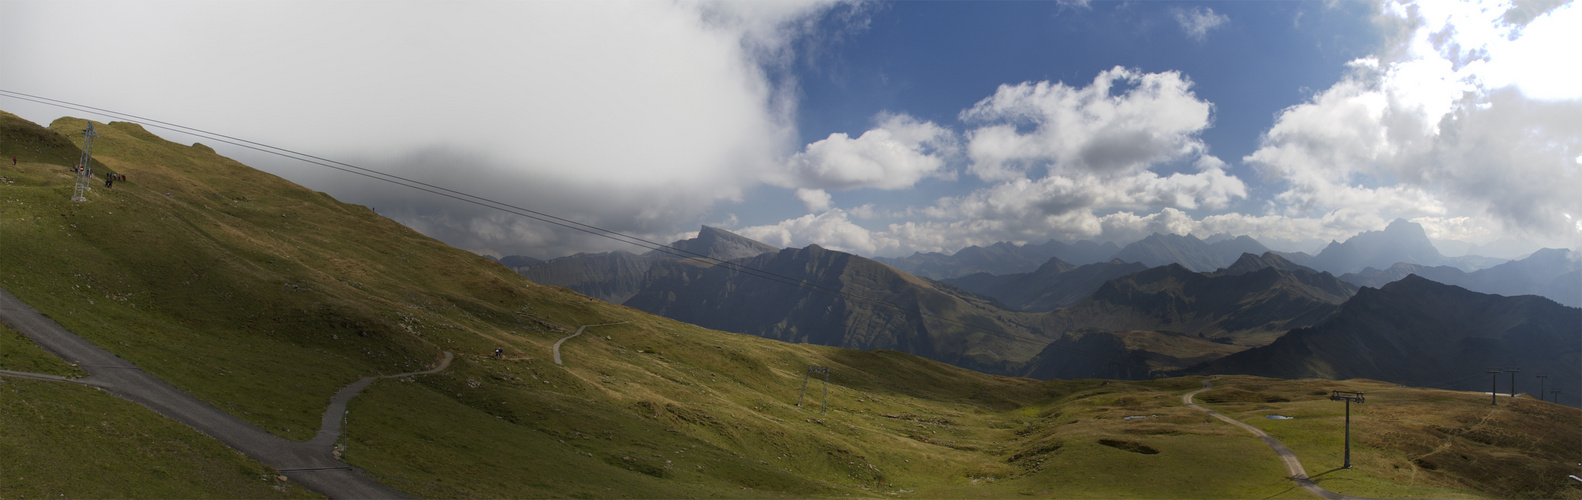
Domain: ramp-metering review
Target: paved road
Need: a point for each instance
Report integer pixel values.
(556, 348)
(1292, 465)
(309, 464)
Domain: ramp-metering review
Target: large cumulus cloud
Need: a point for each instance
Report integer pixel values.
(896, 154)
(1123, 121)
(1463, 124)
(637, 116)
(1060, 161)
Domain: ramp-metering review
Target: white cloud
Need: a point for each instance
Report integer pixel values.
(816, 200)
(642, 115)
(1197, 22)
(1124, 121)
(865, 211)
(831, 229)
(1445, 126)
(1095, 144)
(894, 155)
(1055, 196)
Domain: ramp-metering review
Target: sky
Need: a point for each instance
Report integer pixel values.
(879, 128)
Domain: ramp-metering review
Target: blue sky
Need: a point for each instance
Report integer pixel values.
(881, 128)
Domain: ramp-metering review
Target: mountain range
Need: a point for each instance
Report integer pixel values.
(264, 299)
(1426, 334)
(1249, 308)
(826, 297)
(1550, 272)
(1189, 251)
(1000, 258)
(1054, 284)
(616, 276)
(1058, 321)
(995, 324)
(1370, 258)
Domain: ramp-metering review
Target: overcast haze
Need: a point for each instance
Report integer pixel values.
(871, 127)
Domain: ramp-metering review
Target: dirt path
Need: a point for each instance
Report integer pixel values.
(1292, 465)
(307, 464)
(556, 348)
(330, 425)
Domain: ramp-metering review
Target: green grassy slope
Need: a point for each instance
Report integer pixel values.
(66, 440)
(264, 298)
(19, 353)
(1409, 442)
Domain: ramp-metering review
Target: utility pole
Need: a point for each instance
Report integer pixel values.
(1348, 397)
(84, 163)
(812, 369)
(1513, 371)
(1541, 378)
(1556, 394)
(1494, 384)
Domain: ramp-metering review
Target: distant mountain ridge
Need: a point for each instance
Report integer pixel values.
(515, 261)
(1006, 258)
(610, 276)
(1190, 252)
(1107, 319)
(1000, 258)
(1418, 332)
(615, 276)
(1168, 318)
(1250, 308)
(1401, 241)
(844, 300)
(718, 244)
(1053, 285)
(1251, 263)
(1550, 272)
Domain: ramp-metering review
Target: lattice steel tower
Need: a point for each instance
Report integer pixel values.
(84, 164)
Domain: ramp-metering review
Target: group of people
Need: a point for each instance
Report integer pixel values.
(110, 178)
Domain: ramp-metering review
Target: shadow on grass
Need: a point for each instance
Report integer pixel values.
(1282, 492)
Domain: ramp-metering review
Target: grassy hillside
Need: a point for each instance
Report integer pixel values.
(1409, 442)
(62, 438)
(263, 298)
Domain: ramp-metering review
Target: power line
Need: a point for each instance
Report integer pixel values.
(507, 208)
(413, 184)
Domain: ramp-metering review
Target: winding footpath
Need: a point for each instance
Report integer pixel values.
(1292, 465)
(556, 348)
(311, 464)
(330, 426)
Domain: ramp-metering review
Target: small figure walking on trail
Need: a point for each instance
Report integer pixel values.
(108, 179)
(13, 161)
(499, 353)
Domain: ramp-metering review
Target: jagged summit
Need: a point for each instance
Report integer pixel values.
(1250, 263)
(1401, 241)
(720, 244)
(1192, 253)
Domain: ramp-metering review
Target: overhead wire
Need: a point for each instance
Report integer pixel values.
(509, 208)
